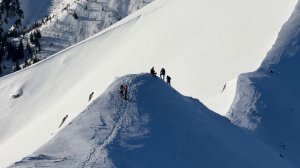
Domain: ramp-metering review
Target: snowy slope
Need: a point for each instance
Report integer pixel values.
(34, 10)
(156, 127)
(59, 26)
(216, 42)
(64, 30)
(267, 101)
(198, 42)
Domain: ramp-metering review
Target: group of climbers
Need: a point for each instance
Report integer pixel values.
(162, 74)
(123, 90)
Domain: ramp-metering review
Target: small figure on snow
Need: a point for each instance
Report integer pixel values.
(91, 95)
(168, 80)
(126, 92)
(121, 90)
(63, 120)
(152, 71)
(162, 73)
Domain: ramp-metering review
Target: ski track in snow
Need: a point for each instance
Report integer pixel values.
(97, 150)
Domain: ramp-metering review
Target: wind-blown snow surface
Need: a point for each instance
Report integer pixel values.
(156, 127)
(198, 42)
(267, 101)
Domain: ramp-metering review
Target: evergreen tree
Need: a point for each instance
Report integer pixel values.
(2, 53)
(38, 45)
(4, 39)
(26, 64)
(20, 51)
(35, 59)
(31, 38)
(18, 22)
(17, 4)
(34, 35)
(17, 68)
(29, 50)
(38, 34)
(12, 52)
(9, 48)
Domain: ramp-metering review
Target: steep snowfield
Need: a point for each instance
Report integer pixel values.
(202, 44)
(64, 30)
(60, 28)
(212, 38)
(156, 127)
(35, 10)
(267, 101)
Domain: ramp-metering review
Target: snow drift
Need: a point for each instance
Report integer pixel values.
(267, 100)
(156, 127)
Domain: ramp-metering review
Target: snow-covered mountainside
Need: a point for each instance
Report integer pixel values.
(57, 7)
(35, 10)
(267, 100)
(60, 24)
(155, 127)
(152, 39)
(208, 36)
(201, 43)
(82, 19)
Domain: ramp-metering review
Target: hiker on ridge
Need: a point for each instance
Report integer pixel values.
(162, 73)
(168, 80)
(126, 92)
(152, 71)
(121, 90)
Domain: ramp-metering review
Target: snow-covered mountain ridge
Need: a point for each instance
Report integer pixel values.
(267, 100)
(199, 45)
(155, 127)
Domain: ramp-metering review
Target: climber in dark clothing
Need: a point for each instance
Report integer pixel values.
(162, 73)
(126, 92)
(63, 120)
(121, 90)
(152, 71)
(91, 95)
(168, 80)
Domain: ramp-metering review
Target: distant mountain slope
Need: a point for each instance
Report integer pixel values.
(198, 42)
(82, 19)
(267, 101)
(60, 23)
(35, 10)
(156, 127)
